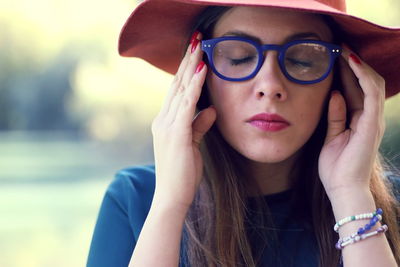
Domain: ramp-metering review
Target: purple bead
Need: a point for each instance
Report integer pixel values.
(360, 231)
(375, 220)
(379, 211)
(381, 229)
(338, 246)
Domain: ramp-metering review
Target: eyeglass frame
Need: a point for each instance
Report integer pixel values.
(208, 47)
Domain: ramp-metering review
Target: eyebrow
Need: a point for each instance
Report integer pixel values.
(296, 36)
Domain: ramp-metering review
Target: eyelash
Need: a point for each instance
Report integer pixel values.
(298, 62)
(235, 62)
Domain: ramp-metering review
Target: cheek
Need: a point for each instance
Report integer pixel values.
(210, 82)
(312, 102)
(227, 98)
(313, 105)
(221, 94)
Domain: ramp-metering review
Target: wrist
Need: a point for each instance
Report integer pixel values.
(341, 196)
(350, 201)
(169, 206)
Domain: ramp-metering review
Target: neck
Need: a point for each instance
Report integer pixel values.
(271, 178)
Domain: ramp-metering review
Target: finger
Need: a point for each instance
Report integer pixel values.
(194, 60)
(196, 35)
(352, 92)
(351, 88)
(185, 100)
(202, 123)
(176, 83)
(187, 108)
(371, 83)
(174, 107)
(336, 116)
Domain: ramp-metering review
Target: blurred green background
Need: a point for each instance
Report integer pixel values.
(72, 112)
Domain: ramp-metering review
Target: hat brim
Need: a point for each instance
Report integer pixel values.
(158, 31)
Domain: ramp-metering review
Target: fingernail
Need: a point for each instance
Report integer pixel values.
(355, 59)
(194, 45)
(200, 66)
(334, 92)
(194, 36)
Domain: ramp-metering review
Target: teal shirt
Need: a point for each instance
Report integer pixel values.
(127, 202)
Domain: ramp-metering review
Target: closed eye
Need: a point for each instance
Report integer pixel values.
(300, 63)
(235, 62)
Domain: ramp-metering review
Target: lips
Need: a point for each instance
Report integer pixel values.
(269, 122)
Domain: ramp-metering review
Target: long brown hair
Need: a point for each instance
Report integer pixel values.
(217, 226)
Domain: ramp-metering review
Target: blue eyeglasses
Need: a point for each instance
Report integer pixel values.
(237, 59)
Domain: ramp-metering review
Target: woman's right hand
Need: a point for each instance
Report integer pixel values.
(177, 134)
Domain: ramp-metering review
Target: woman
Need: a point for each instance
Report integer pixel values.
(284, 144)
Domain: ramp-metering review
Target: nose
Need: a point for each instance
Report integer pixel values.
(269, 80)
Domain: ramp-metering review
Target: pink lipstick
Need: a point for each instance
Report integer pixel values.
(268, 122)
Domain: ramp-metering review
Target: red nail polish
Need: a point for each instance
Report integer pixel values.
(194, 36)
(355, 59)
(335, 92)
(194, 45)
(200, 66)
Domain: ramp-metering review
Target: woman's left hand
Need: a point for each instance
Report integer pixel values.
(348, 154)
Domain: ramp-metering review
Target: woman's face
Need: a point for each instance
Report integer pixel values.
(269, 91)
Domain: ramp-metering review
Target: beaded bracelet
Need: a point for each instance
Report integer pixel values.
(362, 230)
(353, 239)
(357, 217)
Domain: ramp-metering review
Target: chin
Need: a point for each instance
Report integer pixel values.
(268, 158)
(269, 155)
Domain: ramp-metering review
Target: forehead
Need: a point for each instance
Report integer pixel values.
(271, 25)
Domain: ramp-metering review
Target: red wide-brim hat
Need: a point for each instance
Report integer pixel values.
(158, 31)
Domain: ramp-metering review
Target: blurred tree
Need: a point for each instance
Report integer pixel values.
(35, 91)
(39, 99)
(32, 94)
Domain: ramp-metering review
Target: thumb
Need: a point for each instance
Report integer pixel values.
(336, 116)
(202, 123)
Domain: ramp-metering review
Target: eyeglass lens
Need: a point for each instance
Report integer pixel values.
(304, 61)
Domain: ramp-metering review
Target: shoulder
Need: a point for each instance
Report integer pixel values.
(132, 192)
(138, 178)
(134, 184)
(123, 211)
